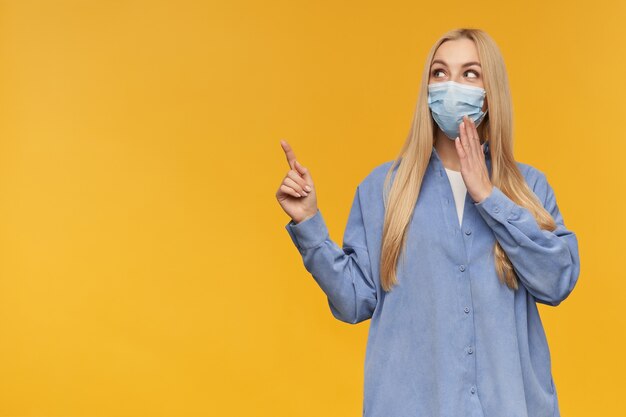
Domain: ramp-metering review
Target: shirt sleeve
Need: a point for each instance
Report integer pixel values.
(344, 274)
(546, 262)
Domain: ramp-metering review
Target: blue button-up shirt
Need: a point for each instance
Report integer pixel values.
(450, 340)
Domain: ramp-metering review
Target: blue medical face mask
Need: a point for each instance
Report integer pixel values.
(449, 101)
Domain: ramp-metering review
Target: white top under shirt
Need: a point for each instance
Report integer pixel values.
(459, 190)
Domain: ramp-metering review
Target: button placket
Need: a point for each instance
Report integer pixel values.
(464, 231)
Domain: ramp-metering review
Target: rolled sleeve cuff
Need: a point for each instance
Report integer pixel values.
(309, 233)
(497, 207)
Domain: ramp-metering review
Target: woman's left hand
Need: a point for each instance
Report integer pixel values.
(472, 158)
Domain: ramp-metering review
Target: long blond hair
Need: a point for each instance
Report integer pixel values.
(497, 127)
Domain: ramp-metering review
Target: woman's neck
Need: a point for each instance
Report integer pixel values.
(447, 151)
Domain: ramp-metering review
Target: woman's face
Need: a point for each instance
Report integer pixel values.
(457, 60)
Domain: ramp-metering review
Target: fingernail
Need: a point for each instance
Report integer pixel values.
(307, 188)
(298, 194)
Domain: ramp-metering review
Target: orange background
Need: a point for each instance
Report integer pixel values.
(144, 265)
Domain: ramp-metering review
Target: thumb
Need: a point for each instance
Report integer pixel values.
(304, 172)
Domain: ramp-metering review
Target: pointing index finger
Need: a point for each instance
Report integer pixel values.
(289, 153)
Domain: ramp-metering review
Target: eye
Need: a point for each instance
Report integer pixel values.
(438, 70)
(434, 73)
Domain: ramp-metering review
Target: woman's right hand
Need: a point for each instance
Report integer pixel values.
(296, 194)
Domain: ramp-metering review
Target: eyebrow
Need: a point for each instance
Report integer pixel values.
(467, 64)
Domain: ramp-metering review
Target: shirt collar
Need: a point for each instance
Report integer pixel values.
(434, 153)
(437, 165)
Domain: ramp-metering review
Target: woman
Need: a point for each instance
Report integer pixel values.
(447, 250)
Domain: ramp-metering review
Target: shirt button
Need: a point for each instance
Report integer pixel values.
(496, 209)
(468, 232)
(462, 267)
(470, 350)
(473, 389)
(466, 309)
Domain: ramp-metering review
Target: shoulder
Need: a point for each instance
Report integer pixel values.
(377, 172)
(536, 180)
(370, 187)
(532, 174)
(376, 176)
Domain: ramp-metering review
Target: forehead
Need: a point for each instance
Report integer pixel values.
(457, 52)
